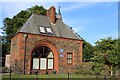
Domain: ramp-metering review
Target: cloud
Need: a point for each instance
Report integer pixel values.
(95, 37)
(101, 36)
(107, 35)
(78, 29)
(45, 4)
(9, 9)
(77, 6)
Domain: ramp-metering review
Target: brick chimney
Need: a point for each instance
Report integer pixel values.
(52, 14)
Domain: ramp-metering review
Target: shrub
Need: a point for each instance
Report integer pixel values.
(54, 72)
(5, 70)
(83, 70)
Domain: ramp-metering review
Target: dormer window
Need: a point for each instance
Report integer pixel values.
(45, 30)
(49, 31)
(42, 29)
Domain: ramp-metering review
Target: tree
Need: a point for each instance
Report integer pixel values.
(38, 10)
(107, 53)
(87, 51)
(12, 25)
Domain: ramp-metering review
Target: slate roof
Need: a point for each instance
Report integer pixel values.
(60, 29)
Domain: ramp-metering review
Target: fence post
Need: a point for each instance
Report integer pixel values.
(10, 72)
(36, 74)
(68, 75)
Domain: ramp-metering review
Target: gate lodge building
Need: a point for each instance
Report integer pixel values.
(47, 44)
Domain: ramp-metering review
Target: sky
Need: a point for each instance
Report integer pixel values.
(91, 20)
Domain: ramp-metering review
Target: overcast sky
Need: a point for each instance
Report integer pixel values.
(91, 20)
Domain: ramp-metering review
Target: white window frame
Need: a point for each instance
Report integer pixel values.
(42, 29)
(43, 64)
(35, 63)
(50, 64)
(49, 30)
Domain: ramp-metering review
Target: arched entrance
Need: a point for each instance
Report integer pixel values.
(42, 59)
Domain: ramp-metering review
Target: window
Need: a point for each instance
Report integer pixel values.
(50, 61)
(42, 29)
(43, 58)
(50, 55)
(35, 63)
(45, 30)
(49, 31)
(69, 58)
(43, 63)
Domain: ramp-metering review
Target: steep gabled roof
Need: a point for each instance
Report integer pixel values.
(59, 29)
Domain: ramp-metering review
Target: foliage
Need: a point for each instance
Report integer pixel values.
(97, 68)
(12, 25)
(107, 54)
(84, 69)
(38, 10)
(84, 72)
(87, 51)
(4, 70)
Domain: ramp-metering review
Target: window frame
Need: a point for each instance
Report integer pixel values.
(52, 64)
(38, 63)
(69, 58)
(41, 30)
(49, 32)
(47, 58)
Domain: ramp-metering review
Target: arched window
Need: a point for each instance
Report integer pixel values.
(43, 58)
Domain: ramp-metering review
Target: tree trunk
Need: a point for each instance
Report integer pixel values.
(117, 73)
(111, 70)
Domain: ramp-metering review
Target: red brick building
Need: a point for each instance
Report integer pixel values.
(46, 44)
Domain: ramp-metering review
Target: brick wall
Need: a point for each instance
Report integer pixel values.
(54, 43)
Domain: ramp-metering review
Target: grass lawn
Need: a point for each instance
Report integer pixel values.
(50, 77)
(46, 76)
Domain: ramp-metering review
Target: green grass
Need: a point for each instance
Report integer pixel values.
(50, 77)
(47, 76)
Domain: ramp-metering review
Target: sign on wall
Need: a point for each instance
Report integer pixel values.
(61, 50)
(61, 53)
